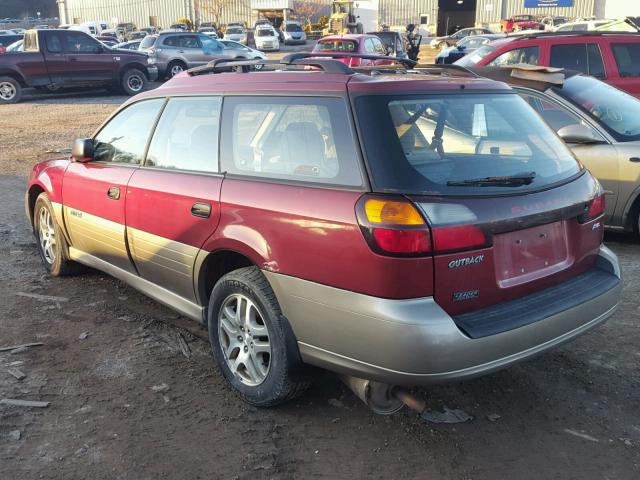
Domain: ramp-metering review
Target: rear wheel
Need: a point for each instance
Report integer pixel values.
(133, 81)
(10, 90)
(52, 245)
(175, 67)
(251, 340)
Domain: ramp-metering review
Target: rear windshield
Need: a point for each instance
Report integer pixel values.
(293, 27)
(616, 110)
(235, 31)
(476, 57)
(265, 32)
(336, 46)
(464, 144)
(148, 41)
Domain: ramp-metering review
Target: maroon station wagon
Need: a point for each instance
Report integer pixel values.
(399, 229)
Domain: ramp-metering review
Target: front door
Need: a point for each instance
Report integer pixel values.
(94, 194)
(88, 59)
(173, 201)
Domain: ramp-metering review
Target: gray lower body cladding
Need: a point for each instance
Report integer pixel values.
(414, 342)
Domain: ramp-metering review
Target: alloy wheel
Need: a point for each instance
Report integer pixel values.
(47, 236)
(244, 339)
(175, 70)
(7, 91)
(135, 83)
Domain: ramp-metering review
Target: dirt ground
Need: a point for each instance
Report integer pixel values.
(570, 414)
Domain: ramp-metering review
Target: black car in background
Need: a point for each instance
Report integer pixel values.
(465, 46)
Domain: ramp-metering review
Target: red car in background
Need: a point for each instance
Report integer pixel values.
(519, 22)
(361, 44)
(614, 58)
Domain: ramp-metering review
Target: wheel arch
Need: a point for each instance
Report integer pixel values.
(133, 66)
(32, 195)
(631, 210)
(16, 75)
(210, 267)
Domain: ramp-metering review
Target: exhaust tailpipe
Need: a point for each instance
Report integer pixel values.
(382, 398)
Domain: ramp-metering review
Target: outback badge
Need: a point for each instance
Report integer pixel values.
(463, 262)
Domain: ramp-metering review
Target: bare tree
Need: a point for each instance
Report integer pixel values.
(216, 8)
(307, 10)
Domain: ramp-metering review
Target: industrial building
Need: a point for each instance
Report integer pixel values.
(433, 16)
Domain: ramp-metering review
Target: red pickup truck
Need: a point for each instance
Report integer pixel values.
(66, 58)
(520, 22)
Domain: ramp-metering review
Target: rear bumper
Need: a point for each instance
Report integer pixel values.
(415, 342)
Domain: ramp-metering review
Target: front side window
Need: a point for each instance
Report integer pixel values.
(186, 137)
(556, 116)
(303, 139)
(78, 43)
(450, 144)
(124, 138)
(627, 57)
(527, 55)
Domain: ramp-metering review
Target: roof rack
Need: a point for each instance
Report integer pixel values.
(593, 33)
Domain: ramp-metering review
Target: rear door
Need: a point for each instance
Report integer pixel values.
(88, 59)
(584, 57)
(173, 201)
(626, 56)
(94, 193)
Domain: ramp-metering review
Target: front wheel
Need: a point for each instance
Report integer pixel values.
(52, 245)
(251, 340)
(133, 81)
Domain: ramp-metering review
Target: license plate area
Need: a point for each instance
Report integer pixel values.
(526, 255)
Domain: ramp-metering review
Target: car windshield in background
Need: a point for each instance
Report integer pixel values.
(616, 110)
(475, 57)
(235, 31)
(465, 144)
(336, 46)
(293, 27)
(265, 32)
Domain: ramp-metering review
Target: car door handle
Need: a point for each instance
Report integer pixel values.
(201, 209)
(114, 193)
(635, 159)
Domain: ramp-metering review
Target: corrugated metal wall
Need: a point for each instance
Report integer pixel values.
(492, 11)
(403, 12)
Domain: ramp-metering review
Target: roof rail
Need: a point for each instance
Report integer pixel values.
(591, 33)
(334, 55)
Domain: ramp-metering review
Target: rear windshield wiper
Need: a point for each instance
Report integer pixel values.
(508, 181)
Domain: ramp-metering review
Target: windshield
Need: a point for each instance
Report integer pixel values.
(235, 31)
(336, 46)
(293, 27)
(265, 32)
(473, 42)
(476, 56)
(614, 109)
(464, 144)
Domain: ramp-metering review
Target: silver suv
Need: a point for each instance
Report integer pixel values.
(174, 52)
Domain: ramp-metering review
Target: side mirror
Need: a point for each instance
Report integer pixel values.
(82, 150)
(579, 134)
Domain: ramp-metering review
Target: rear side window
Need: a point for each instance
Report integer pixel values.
(582, 57)
(54, 44)
(186, 137)
(303, 139)
(173, 41)
(336, 46)
(124, 138)
(627, 57)
(528, 55)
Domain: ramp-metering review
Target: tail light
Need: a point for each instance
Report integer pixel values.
(393, 226)
(594, 209)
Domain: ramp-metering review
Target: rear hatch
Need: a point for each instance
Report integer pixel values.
(508, 210)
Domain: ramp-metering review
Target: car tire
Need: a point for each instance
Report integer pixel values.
(175, 67)
(52, 245)
(10, 90)
(133, 81)
(262, 366)
(258, 67)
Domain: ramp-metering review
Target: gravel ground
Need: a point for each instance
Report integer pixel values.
(570, 414)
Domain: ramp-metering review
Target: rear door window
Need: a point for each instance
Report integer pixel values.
(54, 43)
(527, 55)
(300, 139)
(124, 138)
(627, 57)
(585, 58)
(186, 137)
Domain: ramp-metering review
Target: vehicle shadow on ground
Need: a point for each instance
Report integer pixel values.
(75, 96)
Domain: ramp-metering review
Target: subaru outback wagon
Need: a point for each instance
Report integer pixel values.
(400, 228)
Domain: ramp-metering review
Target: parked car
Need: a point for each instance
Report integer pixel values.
(601, 125)
(211, 31)
(582, 25)
(450, 40)
(465, 47)
(293, 33)
(67, 58)
(520, 22)
(131, 45)
(612, 57)
(238, 50)
(174, 52)
(266, 37)
(550, 23)
(136, 35)
(471, 240)
(362, 44)
(236, 34)
(6, 40)
(394, 43)
(113, 34)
